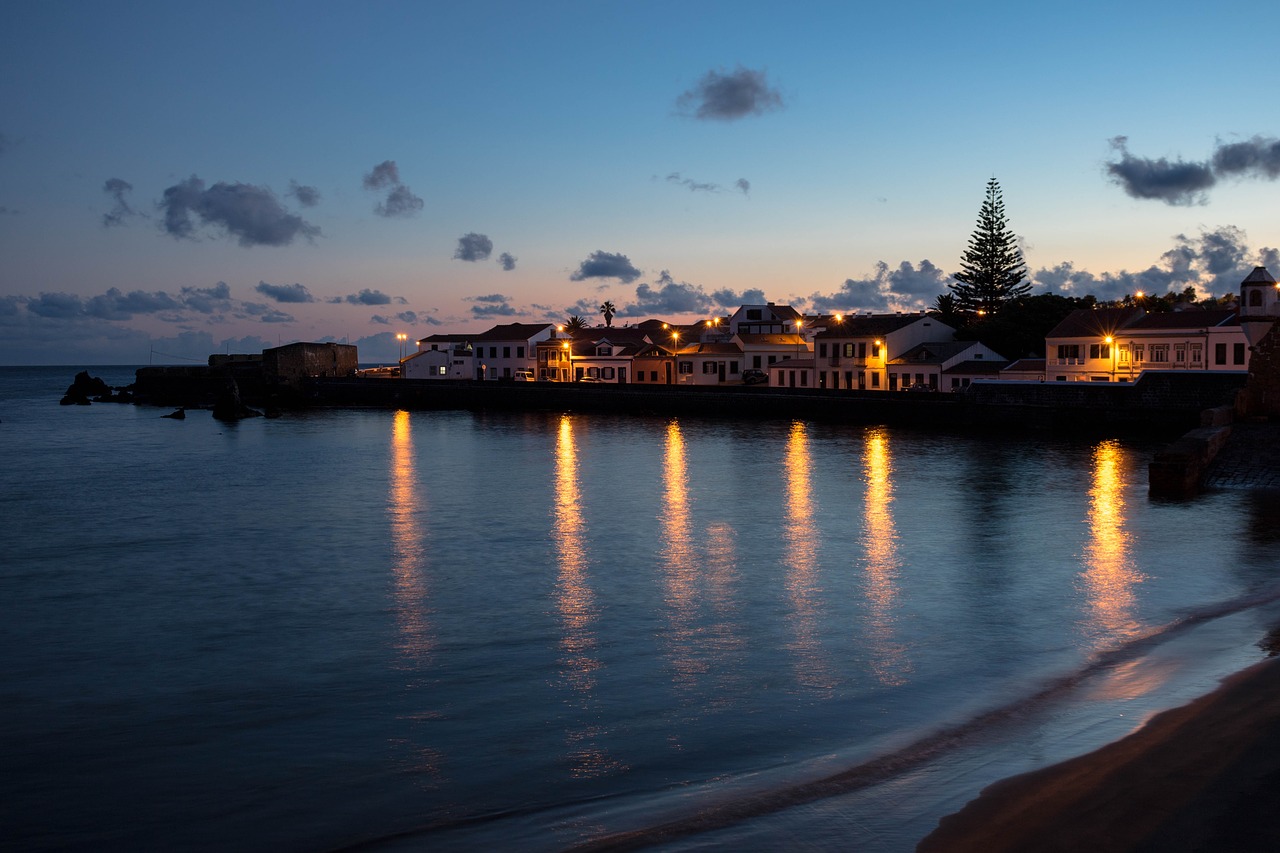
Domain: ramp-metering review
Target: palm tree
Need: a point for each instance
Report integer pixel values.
(608, 311)
(576, 323)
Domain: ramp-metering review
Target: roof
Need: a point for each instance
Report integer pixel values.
(872, 325)
(712, 348)
(1184, 320)
(933, 352)
(512, 332)
(1027, 365)
(977, 366)
(1259, 276)
(1095, 322)
(777, 340)
(792, 364)
(446, 339)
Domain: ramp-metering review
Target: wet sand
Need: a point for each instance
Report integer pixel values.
(1205, 776)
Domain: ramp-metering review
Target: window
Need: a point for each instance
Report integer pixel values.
(444, 371)
(955, 382)
(1160, 353)
(919, 378)
(822, 350)
(755, 361)
(506, 352)
(1237, 354)
(709, 367)
(493, 352)
(733, 368)
(1219, 353)
(1255, 299)
(606, 373)
(1180, 353)
(686, 368)
(653, 376)
(1137, 353)
(1197, 353)
(753, 313)
(875, 380)
(519, 352)
(1068, 351)
(848, 350)
(1124, 353)
(804, 378)
(772, 359)
(1099, 350)
(875, 350)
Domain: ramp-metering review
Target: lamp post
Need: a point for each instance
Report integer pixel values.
(402, 337)
(1111, 348)
(568, 348)
(675, 353)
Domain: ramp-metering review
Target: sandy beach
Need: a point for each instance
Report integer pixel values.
(1204, 777)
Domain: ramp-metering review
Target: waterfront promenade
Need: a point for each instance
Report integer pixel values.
(1249, 460)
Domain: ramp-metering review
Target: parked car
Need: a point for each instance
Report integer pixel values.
(754, 376)
(523, 375)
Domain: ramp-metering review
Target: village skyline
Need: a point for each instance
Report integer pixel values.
(175, 183)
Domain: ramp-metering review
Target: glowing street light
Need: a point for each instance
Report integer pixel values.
(568, 348)
(402, 337)
(1112, 349)
(675, 353)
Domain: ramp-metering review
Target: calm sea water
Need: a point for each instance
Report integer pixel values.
(449, 630)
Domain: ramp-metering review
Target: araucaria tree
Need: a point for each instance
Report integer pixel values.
(992, 267)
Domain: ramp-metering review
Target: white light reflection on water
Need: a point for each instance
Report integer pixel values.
(679, 567)
(889, 661)
(575, 600)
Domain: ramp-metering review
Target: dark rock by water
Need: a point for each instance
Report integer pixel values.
(83, 388)
(229, 407)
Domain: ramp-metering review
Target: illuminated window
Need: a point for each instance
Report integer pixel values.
(686, 367)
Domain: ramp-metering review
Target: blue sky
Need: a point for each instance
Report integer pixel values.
(185, 179)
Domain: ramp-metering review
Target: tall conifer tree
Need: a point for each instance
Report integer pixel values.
(992, 268)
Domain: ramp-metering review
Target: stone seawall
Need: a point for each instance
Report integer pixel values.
(1160, 405)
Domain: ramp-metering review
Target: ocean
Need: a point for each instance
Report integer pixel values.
(390, 630)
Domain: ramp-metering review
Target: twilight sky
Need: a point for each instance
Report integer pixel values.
(185, 179)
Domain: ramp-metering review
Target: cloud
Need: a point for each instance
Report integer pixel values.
(253, 214)
(115, 305)
(120, 210)
(207, 300)
(266, 313)
(507, 260)
(304, 195)
(905, 287)
(56, 305)
(295, 293)
(1183, 182)
(365, 297)
(400, 200)
(1214, 262)
(473, 247)
(726, 298)
(606, 265)
(385, 174)
(741, 185)
(380, 319)
(668, 296)
(1258, 158)
(1176, 183)
(727, 97)
(492, 305)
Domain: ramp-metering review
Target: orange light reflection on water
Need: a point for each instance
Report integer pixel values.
(1109, 575)
(889, 661)
(406, 504)
(680, 569)
(575, 601)
(801, 563)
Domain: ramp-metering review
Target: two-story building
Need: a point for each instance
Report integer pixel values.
(504, 349)
(441, 357)
(943, 366)
(853, 352)
(1118, 344)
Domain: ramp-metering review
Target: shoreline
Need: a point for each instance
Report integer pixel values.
(1202, 776)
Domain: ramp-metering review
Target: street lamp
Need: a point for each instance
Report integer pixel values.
(402, 337)
(675, 352)
(568, 348)
(1112, 349)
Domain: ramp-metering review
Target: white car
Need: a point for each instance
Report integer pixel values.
(523, 375)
